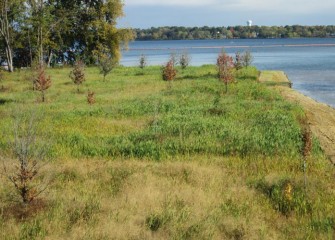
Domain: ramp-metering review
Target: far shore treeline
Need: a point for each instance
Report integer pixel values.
(190, 33)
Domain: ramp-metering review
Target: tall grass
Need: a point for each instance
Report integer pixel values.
(185, 161)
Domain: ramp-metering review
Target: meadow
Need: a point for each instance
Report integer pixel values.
(166, 160)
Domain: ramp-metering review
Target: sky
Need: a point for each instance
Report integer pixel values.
(196, 13)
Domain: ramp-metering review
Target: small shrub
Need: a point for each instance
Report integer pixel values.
(77, 74)
(42, 82)
(154, 222)
(247, 59)
(238, 61)
(143, 62)
(30, 152)
(225, 67)
(106, 63)
(233, 233)
(184, 60)
(286, 197)
(169, 72)
(90, 97)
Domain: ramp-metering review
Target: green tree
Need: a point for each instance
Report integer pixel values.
(105, 61)
(95, 28)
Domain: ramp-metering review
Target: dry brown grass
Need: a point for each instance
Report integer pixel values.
(199, 198)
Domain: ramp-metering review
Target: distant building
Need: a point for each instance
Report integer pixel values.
(249, 23)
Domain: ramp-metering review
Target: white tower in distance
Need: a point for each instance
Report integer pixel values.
(249, 23)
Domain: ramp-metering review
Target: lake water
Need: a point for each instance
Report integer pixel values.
(309, 63)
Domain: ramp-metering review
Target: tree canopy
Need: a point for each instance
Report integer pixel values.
(60, 31)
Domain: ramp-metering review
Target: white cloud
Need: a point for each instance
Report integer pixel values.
(289, 6)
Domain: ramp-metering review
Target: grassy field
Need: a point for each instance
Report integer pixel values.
(158, 160)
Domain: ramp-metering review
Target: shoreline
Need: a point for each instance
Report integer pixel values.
(320, 116)
(237, 46)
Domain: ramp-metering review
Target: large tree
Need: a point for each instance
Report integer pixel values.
(81, 28)
(96, 28)
(61, 30)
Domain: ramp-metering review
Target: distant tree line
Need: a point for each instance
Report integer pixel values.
(185, 33)
(59, 32)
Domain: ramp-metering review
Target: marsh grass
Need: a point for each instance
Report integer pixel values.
(186, 162)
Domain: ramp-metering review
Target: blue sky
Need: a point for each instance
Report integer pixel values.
(154, 13)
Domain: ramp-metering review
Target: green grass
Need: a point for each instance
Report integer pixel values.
(138, 116)
(153, 160)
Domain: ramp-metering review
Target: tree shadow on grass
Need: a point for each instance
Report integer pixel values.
(22, 212)
(4, 101)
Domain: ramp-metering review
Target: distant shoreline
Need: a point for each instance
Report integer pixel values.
(233, 32)
(241, 46)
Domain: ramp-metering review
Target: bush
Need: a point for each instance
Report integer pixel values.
(247, 59)
(225, 66)
(169, 72)
(286, 197)
(77, 74)
(42, 82)
(90, 97)
(154, 222)
(143, 62)
(184, 60)
(30, 152)
(238, 61)
(106, 64)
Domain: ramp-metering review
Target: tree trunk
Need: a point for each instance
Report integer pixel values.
(43, 96)
(9, 57)
(30, 50)
(50, 58)
(5, 33)
(40, 47)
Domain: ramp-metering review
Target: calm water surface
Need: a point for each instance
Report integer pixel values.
(309, 63)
